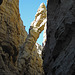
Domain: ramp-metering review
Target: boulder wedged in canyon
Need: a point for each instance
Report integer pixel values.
(18, 50)
(59, 51)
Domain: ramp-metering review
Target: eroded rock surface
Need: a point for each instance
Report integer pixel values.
(12, 35)
(18, 51)
(30, 53)
(59, 51)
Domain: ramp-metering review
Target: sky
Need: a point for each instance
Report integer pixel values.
(28, 9)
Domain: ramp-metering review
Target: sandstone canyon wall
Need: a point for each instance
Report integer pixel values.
(18, 52)
(59, 51)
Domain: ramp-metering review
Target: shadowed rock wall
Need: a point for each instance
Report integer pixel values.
(59, 51)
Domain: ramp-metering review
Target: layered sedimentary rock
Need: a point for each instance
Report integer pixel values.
(29, 53)
(59, 51)
(12, 31)
(18, 51)
(12, 35)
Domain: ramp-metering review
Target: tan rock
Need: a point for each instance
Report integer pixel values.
(12, 33)
(36, 28)
(18, 52)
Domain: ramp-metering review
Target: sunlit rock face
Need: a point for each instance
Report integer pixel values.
(19, 54)
(44, 36)
(39, 49)
(59, 53)
(31, 55)
(12, 31)
(12, 35)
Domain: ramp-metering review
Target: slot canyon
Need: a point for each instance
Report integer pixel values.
(20, 54)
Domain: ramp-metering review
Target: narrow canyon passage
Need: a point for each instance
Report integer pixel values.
(19, 52)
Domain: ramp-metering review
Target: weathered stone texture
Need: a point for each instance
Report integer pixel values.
(12, 31)
(30, 54)
(59, 51)
(18, 52)
(12, 35)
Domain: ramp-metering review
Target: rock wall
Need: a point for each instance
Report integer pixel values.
(12, 35)
(12, 31)
(44, 35)
(33, 66)
(59, 51)
(18, 51)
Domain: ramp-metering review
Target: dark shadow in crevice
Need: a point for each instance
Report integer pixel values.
(11, 50)
(1, 2)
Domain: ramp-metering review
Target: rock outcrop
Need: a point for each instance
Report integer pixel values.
(29, 53)
(12, 35)
(12, 31)
(59, 51)
(18, 52)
